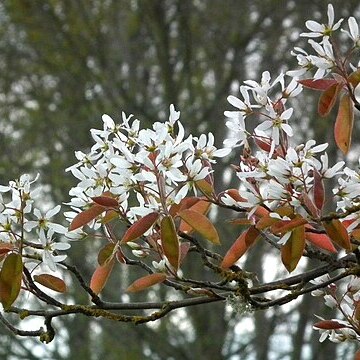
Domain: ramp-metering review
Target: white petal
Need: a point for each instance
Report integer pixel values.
(267, 124)
(288, 129)
(108, 121)
(234, 101)
(287, 114)
(354, 28)
(314, 26)
(61, 246)
(330, 14)
(52, 212)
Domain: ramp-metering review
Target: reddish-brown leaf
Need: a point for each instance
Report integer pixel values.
(318, 84)
(344, 124)
(185, 203)
(357, 355)
(146, 281)
(357, 310)
(170, 241)
(100, 276)
(140, 227)
(337, 233)
(261, 211)
(327, 99)
(201, 224)
(322, 241)
(283, 226)
(319, 190)
(234, 193)
(293, 250)
(106, 253)
(329, 325)
(10, 279)
(356, 234)
(86, 216)
(51, 282)
(309, 204)
(106, 201)
(201, 207)
(240, 246)
(5, 248)
(263, 144)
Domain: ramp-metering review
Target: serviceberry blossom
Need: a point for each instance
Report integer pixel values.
(43, 222)
(270, 106)
(353, 32)
(50, 257)
(348, 189)
(20, 213)
(345, 301)
(322, 30)
(276, 123)
(155, 167)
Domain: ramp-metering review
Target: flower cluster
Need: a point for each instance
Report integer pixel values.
(347, 303)
(324, 59)
(150, 178)
(146, 170)
(27, 230)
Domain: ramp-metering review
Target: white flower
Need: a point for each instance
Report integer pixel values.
(330, 301)
(319, 30)
(43, 222)
(276, 123)
(327, 172)
(236, 125)
(174, 115)
(260, 91)
(49, 247)
(303, 60)
(353, 32)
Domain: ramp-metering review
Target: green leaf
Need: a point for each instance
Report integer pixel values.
(354, 78)
(170, 241)
(327, 99)
(106, 253)
(10, 279)
(205, 187)
(140, 227)
(51, 282)
(337, 233)
(344, 124)
(146, 281)
(293, 250)
(240, 246)
(86, 216)
(201, 224)
(101, 276)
